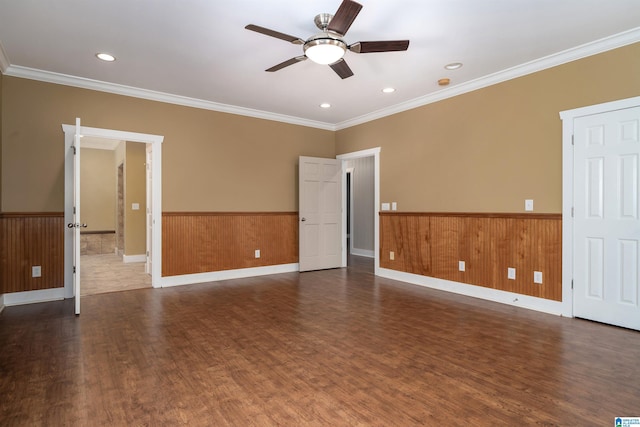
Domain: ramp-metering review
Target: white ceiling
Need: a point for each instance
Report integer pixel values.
(197, 52)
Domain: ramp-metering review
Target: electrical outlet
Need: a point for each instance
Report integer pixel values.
(461, 266)
(392, 256)
(537, 277)
(394, 206)
(257, 253)
(36, 271)
(511, 273)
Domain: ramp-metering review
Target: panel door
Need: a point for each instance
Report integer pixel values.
(320, 209)
(606, 217)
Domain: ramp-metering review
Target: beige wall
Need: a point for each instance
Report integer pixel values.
(135, 192)
(98, 189)
(1, 117)
(211, 161)
(489, 150)
(485, 151)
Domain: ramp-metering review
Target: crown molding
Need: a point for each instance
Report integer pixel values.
(588, 49)
(573, 54)
(4, 60)
(84, 83)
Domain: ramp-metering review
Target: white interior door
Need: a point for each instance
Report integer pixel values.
(607, 222)
(148, 267)
(77, 224)
(320, 200)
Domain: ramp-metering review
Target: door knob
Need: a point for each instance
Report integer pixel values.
(303, 219)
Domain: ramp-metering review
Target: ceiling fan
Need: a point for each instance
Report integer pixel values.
(328, 47)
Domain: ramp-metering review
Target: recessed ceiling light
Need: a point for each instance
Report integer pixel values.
(325, 105)
(105, 57)
(453, 66)
(388, 90)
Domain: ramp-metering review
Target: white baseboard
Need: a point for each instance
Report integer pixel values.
(32, 297)
(187, 279)
(134, 258)
(510, 298)
(363, 252)
(1, 302)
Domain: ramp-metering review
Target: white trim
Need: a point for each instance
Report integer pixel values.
(363, 252)
(214, 276)
(81, 82)
(127, 259)
(32, 297)
(568, 118)
(1, 302)
(375, 152)
(608, 43)
(156, 170)
(495, 295)
(550, 61)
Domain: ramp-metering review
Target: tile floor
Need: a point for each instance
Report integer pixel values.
(107, 273)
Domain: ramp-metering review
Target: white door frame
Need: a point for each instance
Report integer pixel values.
(567, 189)
(375, 153)
(156, 194)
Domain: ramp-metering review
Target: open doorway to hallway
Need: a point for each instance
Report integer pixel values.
(360, 212)
(113, 205)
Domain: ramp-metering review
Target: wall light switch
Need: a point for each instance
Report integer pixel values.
(461, 266)
(511, 273)
(392, 256)
(385, 206)
(537, 277)
(528, 205)
(394, 206)
(257, 253)
(135, 206)
(36, 271)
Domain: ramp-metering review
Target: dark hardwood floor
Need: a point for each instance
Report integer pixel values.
(329, 348)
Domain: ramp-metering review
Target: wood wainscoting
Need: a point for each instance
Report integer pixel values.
(201, 242)
(30, 239)
(432, 244)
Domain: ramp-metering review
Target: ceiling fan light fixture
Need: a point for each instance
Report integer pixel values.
(325, 50)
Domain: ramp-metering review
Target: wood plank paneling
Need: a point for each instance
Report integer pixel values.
(26, 240)
(200, 242)
(431, 244)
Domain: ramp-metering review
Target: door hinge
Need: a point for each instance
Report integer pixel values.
(74, 210)
(572, 140)
(147, 253)
(74, 269)
(571, 211)
(571, 283)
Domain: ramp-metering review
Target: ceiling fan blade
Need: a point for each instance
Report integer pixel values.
(286, 63)
(381, 46)
(344, 17)
(341, 68)
(276, 34)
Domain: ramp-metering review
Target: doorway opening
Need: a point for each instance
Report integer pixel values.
(153, 146)
(361, 203)
(113, 189)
